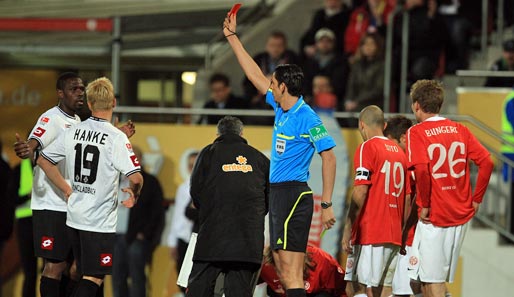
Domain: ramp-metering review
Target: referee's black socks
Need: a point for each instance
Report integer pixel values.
(49, 287)
(86, 288)
(296, 292)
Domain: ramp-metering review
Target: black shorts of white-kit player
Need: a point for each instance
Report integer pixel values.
(93, 251)
(291, 208)
(50, 238)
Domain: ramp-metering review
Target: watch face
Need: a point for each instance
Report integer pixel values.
(326, 205)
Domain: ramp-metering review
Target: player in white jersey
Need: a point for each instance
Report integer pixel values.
(48, 204)
(96, 153)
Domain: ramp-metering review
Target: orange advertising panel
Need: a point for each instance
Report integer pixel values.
(24, 95)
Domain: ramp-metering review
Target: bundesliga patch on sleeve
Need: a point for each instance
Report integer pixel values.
(318, 132)
(362, 174)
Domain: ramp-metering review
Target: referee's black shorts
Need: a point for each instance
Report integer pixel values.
(291, 207)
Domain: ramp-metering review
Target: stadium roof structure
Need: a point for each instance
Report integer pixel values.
(170, 34)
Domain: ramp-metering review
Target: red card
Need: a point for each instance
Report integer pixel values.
(235, 9)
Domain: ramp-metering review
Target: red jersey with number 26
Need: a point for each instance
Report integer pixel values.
(382, 165)
(446, 147)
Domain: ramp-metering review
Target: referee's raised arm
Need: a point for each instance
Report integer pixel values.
(250, 68)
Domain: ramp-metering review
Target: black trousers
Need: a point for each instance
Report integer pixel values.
(28, 260)
(240, 278)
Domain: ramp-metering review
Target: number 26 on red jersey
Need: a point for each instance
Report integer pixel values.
(451, 157)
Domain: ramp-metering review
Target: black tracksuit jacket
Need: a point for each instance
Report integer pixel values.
(232, 203)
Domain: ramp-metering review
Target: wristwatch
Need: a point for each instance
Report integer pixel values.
(325, 205)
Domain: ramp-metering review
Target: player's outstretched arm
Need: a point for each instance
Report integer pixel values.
(52, 172)
(25, 148)
(250, 68)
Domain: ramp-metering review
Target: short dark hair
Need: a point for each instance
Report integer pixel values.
(279, 35)
(63, 77)
(429, 94)
(216, 77)
(230, 125)
(292, 76)
(397, 126)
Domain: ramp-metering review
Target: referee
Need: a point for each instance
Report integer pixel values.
(297, 133)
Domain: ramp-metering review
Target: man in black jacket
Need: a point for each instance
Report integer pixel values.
(229, 186)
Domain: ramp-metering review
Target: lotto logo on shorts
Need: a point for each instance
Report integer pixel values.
(39, 132)
(47, 243)
(105, 259)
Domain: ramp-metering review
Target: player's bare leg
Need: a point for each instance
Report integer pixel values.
(369, 291)
(291, 269)
(436, 289)
(383, 291)
(54, 270)
(51, 278)
(355, 289)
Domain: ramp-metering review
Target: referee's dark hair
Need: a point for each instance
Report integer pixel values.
(397, 126)
(230, 125)
(63, 77)
(292, 76)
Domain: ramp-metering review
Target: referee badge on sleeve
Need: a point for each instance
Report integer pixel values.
(318, 133)
(362, 174)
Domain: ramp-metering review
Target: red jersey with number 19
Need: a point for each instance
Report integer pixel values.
(446, 147)
(382, 165)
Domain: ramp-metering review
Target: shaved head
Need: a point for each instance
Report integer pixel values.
(372, 116)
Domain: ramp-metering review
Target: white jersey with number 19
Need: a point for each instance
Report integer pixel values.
(96, 153)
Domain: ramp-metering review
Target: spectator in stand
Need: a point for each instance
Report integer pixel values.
(276, 53)
(221, 98)
(366, 83)
(323, 93)
(460, 30)
(328, 62)
(427, 38)
(505, 63)
(334, 16)
(367, 18)
(322, 274)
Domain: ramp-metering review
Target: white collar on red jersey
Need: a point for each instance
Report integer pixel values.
(435, 118)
